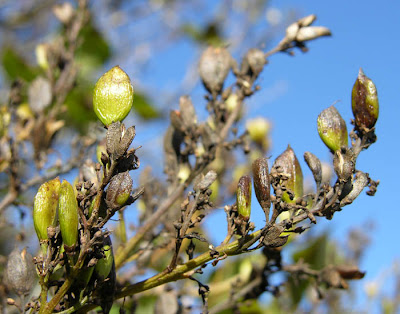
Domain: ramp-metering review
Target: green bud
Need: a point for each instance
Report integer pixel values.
(243, 197)
(262, 184)
(364, 101)
(104, 265)
(289, 165)
(332, 129)
(119, 190)
(68, 215)
(45, 207)
(20, 271)
(113, 96)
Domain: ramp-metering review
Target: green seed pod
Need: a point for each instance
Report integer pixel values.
(68, 216)
(104, 265)
(243, 197)
(119, 190)
(259, 129)
(364, 101)
(262, 184)
(289, 165)
(332, 129)
(113, 96)
(20, 271)
(45, 207)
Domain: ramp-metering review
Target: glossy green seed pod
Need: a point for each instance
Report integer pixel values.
(364, 101)
(243, 197)
(68, 215)
(45, 207)
(289, 165)
(332, 129)
(113, 96)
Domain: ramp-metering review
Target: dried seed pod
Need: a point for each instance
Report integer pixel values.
(113, 137)
(315, 166)
(262, 184)
(361, 181)
(68, 216)
(364, 101)
(214, 66)
(119, 190)
(307, 20)
(288, 163)
(187, 111)
(20, 271)
(104, 265)
(113, 96)
(243, 197)
(127, 137)
(45, 208)
(344, 164)
(253, 62)
(312, 32)
(332, 129)
(205, 182)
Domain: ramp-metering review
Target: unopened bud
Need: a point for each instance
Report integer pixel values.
(68, 215)
(214, 66)
(243, 197)
(332, 129)
(364, 101)
(20, 271)
(45, 207)
(119, 190)
(289, 165)
(262, 184)
(113, 96)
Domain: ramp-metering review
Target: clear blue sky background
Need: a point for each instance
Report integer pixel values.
(296, 89)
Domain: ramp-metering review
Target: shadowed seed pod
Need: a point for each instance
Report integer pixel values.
(364, 101)
(288, 164)
(332, 129)
(344, 163)
(262, 184)
(104, 265)
(253, 62)
(20, 271)
(113, 96)
(243, 197)
(68, 216)
(45, 208)
(315, 166)
(119, 190)
(214, 66)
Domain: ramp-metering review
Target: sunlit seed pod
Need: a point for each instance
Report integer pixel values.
(307, 20)
(214, 66)
(262, 184)
(364, 101)
(45, 207)
(243, 197)
(315, 166)
(253, 62)
(291, 31)
(312, 32)
(113, 96)
(20, 271)
(68, 215)
(288, 163)
(119, 190)
(332, 129)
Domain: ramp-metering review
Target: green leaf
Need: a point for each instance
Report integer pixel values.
(15, 66)
(143, 107)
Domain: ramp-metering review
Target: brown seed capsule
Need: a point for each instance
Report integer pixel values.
(262, 184)
(290, 166)
(214, 66)
(364, 101)
(344, 164)
(253, 62)
(45, 207)
(243, 197)
(20, 271)
(68, 215)
(332, 129)
(187, 111)
(315, 166)
(119, 190)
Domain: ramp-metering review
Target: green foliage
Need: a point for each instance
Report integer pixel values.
(15, 66)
